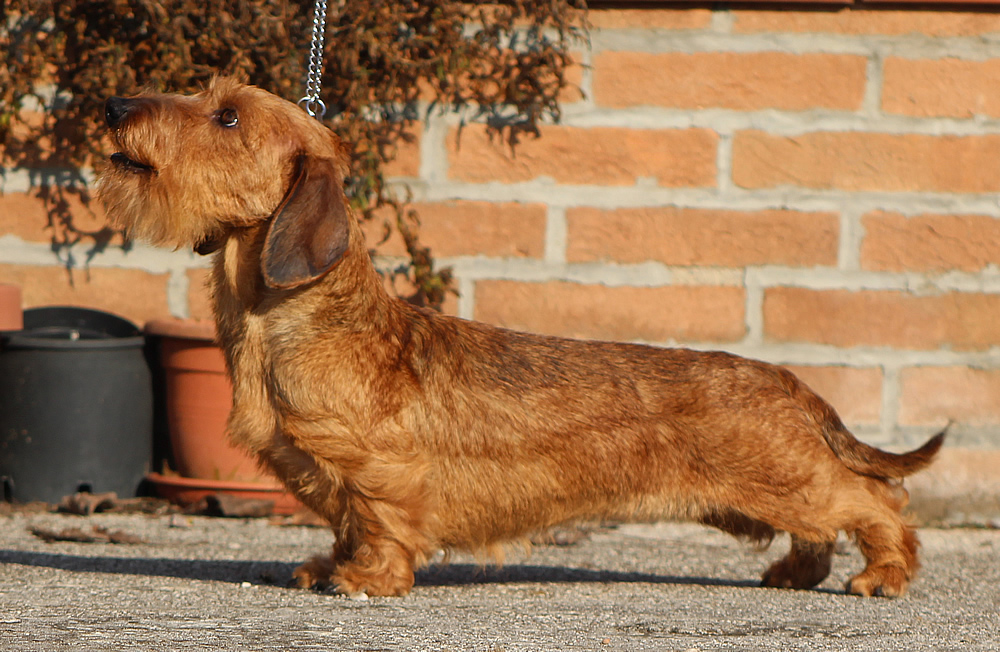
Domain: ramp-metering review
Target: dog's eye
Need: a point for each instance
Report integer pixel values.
(227, 117)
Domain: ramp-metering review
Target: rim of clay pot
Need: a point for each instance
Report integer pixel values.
(11, 310)
(186, 491)
(190, 329)
(212, 485)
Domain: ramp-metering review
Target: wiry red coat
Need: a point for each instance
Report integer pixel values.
(413, 431)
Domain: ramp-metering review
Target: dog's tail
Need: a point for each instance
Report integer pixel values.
(857, 455)
(868, 460)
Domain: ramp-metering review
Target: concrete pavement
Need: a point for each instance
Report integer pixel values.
(218, 584)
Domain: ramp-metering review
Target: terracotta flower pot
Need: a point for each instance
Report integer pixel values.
(11, 311)
(198, 401)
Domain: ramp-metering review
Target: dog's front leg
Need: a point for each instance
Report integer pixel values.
(381, 520)
(377, 548)
(364, 557)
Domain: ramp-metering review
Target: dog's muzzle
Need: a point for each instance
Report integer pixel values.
(116, 112)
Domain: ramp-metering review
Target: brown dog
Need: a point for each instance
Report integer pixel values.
(412, 431)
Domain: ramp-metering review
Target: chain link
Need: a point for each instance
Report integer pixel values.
(311, 102)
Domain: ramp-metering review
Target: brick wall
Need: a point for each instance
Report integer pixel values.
(814, 188)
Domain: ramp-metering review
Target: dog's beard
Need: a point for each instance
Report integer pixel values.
(135, 206)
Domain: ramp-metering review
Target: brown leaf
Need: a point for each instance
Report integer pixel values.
(85, 504)
(77, 535)
(233, 506)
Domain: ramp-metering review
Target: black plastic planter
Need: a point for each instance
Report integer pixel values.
(76, 405)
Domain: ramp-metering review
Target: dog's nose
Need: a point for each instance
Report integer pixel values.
(115, 110)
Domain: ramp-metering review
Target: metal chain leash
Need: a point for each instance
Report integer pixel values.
(311, 102)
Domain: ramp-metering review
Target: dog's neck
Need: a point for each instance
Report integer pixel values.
(347, 303)
(351, 293)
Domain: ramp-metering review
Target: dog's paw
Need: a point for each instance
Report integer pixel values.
(779, 577)
(358, 583)
(797, 572)
(782, 575)
(317, 573)
(883, 581)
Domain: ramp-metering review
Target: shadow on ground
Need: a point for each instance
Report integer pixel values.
(279, 573)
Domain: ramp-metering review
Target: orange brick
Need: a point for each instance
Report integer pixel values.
(675, 19)
(960, 487)
(199, 297)
(679, 236)
(957, 320)
(895, 243)
(867, 161)
(407, 160)
(573, 74)
(655, 314)
(469, 228)
(856, 393)
(941, 87)
(742, 81)
(133, 294)
(27, 215)
(572, 71)
(600, 155)
(936, 395)
(864, 21)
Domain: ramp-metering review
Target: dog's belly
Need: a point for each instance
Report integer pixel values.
(484, 499)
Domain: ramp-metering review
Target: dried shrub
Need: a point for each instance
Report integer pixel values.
(505, 63)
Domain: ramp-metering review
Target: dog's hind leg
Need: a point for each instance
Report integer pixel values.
(868, 509)
(891, 551)
(889, 546)
(806, 565)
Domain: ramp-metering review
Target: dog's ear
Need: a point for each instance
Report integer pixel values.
(310, 229)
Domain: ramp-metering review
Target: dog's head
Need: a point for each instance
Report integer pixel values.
(188, 171)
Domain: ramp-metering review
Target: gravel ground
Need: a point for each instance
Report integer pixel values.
(219, 584)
